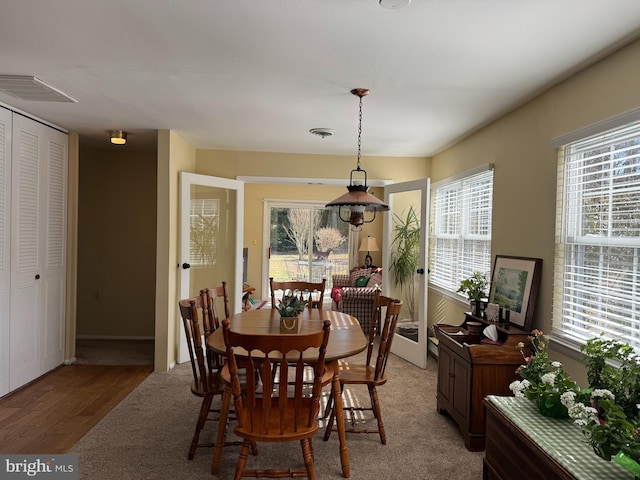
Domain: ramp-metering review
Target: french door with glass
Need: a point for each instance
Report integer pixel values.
(405, 233)
(211, 219)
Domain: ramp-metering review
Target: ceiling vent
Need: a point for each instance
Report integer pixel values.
(33, 89)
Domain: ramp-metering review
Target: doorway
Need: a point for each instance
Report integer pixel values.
(116, 249)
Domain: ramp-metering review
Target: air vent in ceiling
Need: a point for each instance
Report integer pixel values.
(31, 88)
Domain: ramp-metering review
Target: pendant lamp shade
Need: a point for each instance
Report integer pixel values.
(353, 204)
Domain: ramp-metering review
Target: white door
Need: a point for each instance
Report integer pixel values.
(5, 215)
(53, 243)
(38, 206)
(211, 239)
(406, 238)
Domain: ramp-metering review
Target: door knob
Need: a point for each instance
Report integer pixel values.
(186, 266)
(38, 276)
(420, 271)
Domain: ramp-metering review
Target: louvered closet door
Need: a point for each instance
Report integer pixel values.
(5, 214)
(53, 246)
(37, 262)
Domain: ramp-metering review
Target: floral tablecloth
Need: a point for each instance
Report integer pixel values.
(560, 439)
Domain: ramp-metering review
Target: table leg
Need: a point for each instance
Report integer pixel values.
(338, 408)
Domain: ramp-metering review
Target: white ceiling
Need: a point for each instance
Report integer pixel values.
(258, 74)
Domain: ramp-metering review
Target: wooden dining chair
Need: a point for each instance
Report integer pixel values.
(371, 375)
(304, 289)
(205, 366)
(282, 412)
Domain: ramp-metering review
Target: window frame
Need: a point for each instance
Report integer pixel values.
(573, 235)
(463, 260)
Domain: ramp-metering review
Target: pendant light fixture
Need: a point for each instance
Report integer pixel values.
(118, 137)
(353, 204)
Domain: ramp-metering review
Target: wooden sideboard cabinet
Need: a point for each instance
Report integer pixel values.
(468, 372)
(522, 443)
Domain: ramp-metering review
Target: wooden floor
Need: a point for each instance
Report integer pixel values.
(54, 412)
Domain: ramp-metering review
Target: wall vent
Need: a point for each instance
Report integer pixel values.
(33, 89)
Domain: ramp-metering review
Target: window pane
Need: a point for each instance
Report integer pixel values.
(599, 236)
(460, 242)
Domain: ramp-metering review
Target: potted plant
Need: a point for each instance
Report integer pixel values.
(405, 255)
(475, 287)
(290, 306)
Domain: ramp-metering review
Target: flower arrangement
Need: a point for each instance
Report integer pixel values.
(545, 382)
(607, 412)
(614, 366)
(291, 305)
(609, 416)
(605, 425)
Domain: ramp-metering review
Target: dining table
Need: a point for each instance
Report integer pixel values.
(345, 339)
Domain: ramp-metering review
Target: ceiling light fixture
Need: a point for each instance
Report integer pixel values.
(352, 205)
(118, 137)
(394, 4)
(322, 132)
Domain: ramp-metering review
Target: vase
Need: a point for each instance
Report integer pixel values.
(628, 463)
(550, 406)
(289, 325)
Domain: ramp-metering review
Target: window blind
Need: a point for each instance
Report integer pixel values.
(597, 251)
(460, 240)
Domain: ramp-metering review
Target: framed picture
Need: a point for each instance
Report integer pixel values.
(514, 285)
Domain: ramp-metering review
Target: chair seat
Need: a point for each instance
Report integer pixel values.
(293, 430)
(361, 374)
(216, 386)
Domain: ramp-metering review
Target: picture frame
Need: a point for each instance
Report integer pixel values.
(515, 282)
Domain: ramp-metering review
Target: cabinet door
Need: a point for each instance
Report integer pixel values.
(461, 388)
(5, 276)
(445, 365)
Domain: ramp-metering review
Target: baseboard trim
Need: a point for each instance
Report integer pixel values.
(113, 337)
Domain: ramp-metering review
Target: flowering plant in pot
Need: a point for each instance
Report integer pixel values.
(609, 416)
(544, 382)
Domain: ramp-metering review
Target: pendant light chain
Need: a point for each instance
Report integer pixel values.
(359, 133)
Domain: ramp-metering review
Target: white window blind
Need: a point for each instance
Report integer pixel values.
(205, 225)
(460, 240)
(597, 257)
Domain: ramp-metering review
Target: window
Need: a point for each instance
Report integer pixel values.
(205, 224)
(307, 241)
(460, 240)
(597, 258)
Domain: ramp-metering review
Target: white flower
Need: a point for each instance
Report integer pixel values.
(568, 399)
(548, 378)
(583, 415)
(602, 393)
(518, 387)
(556, 364)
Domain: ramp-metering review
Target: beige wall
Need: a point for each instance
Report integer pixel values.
(117, 244)
(71, 289)
(174, 156)
(231, 164)
(519, 144)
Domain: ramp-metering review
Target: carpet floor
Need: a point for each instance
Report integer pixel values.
(148, 434)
